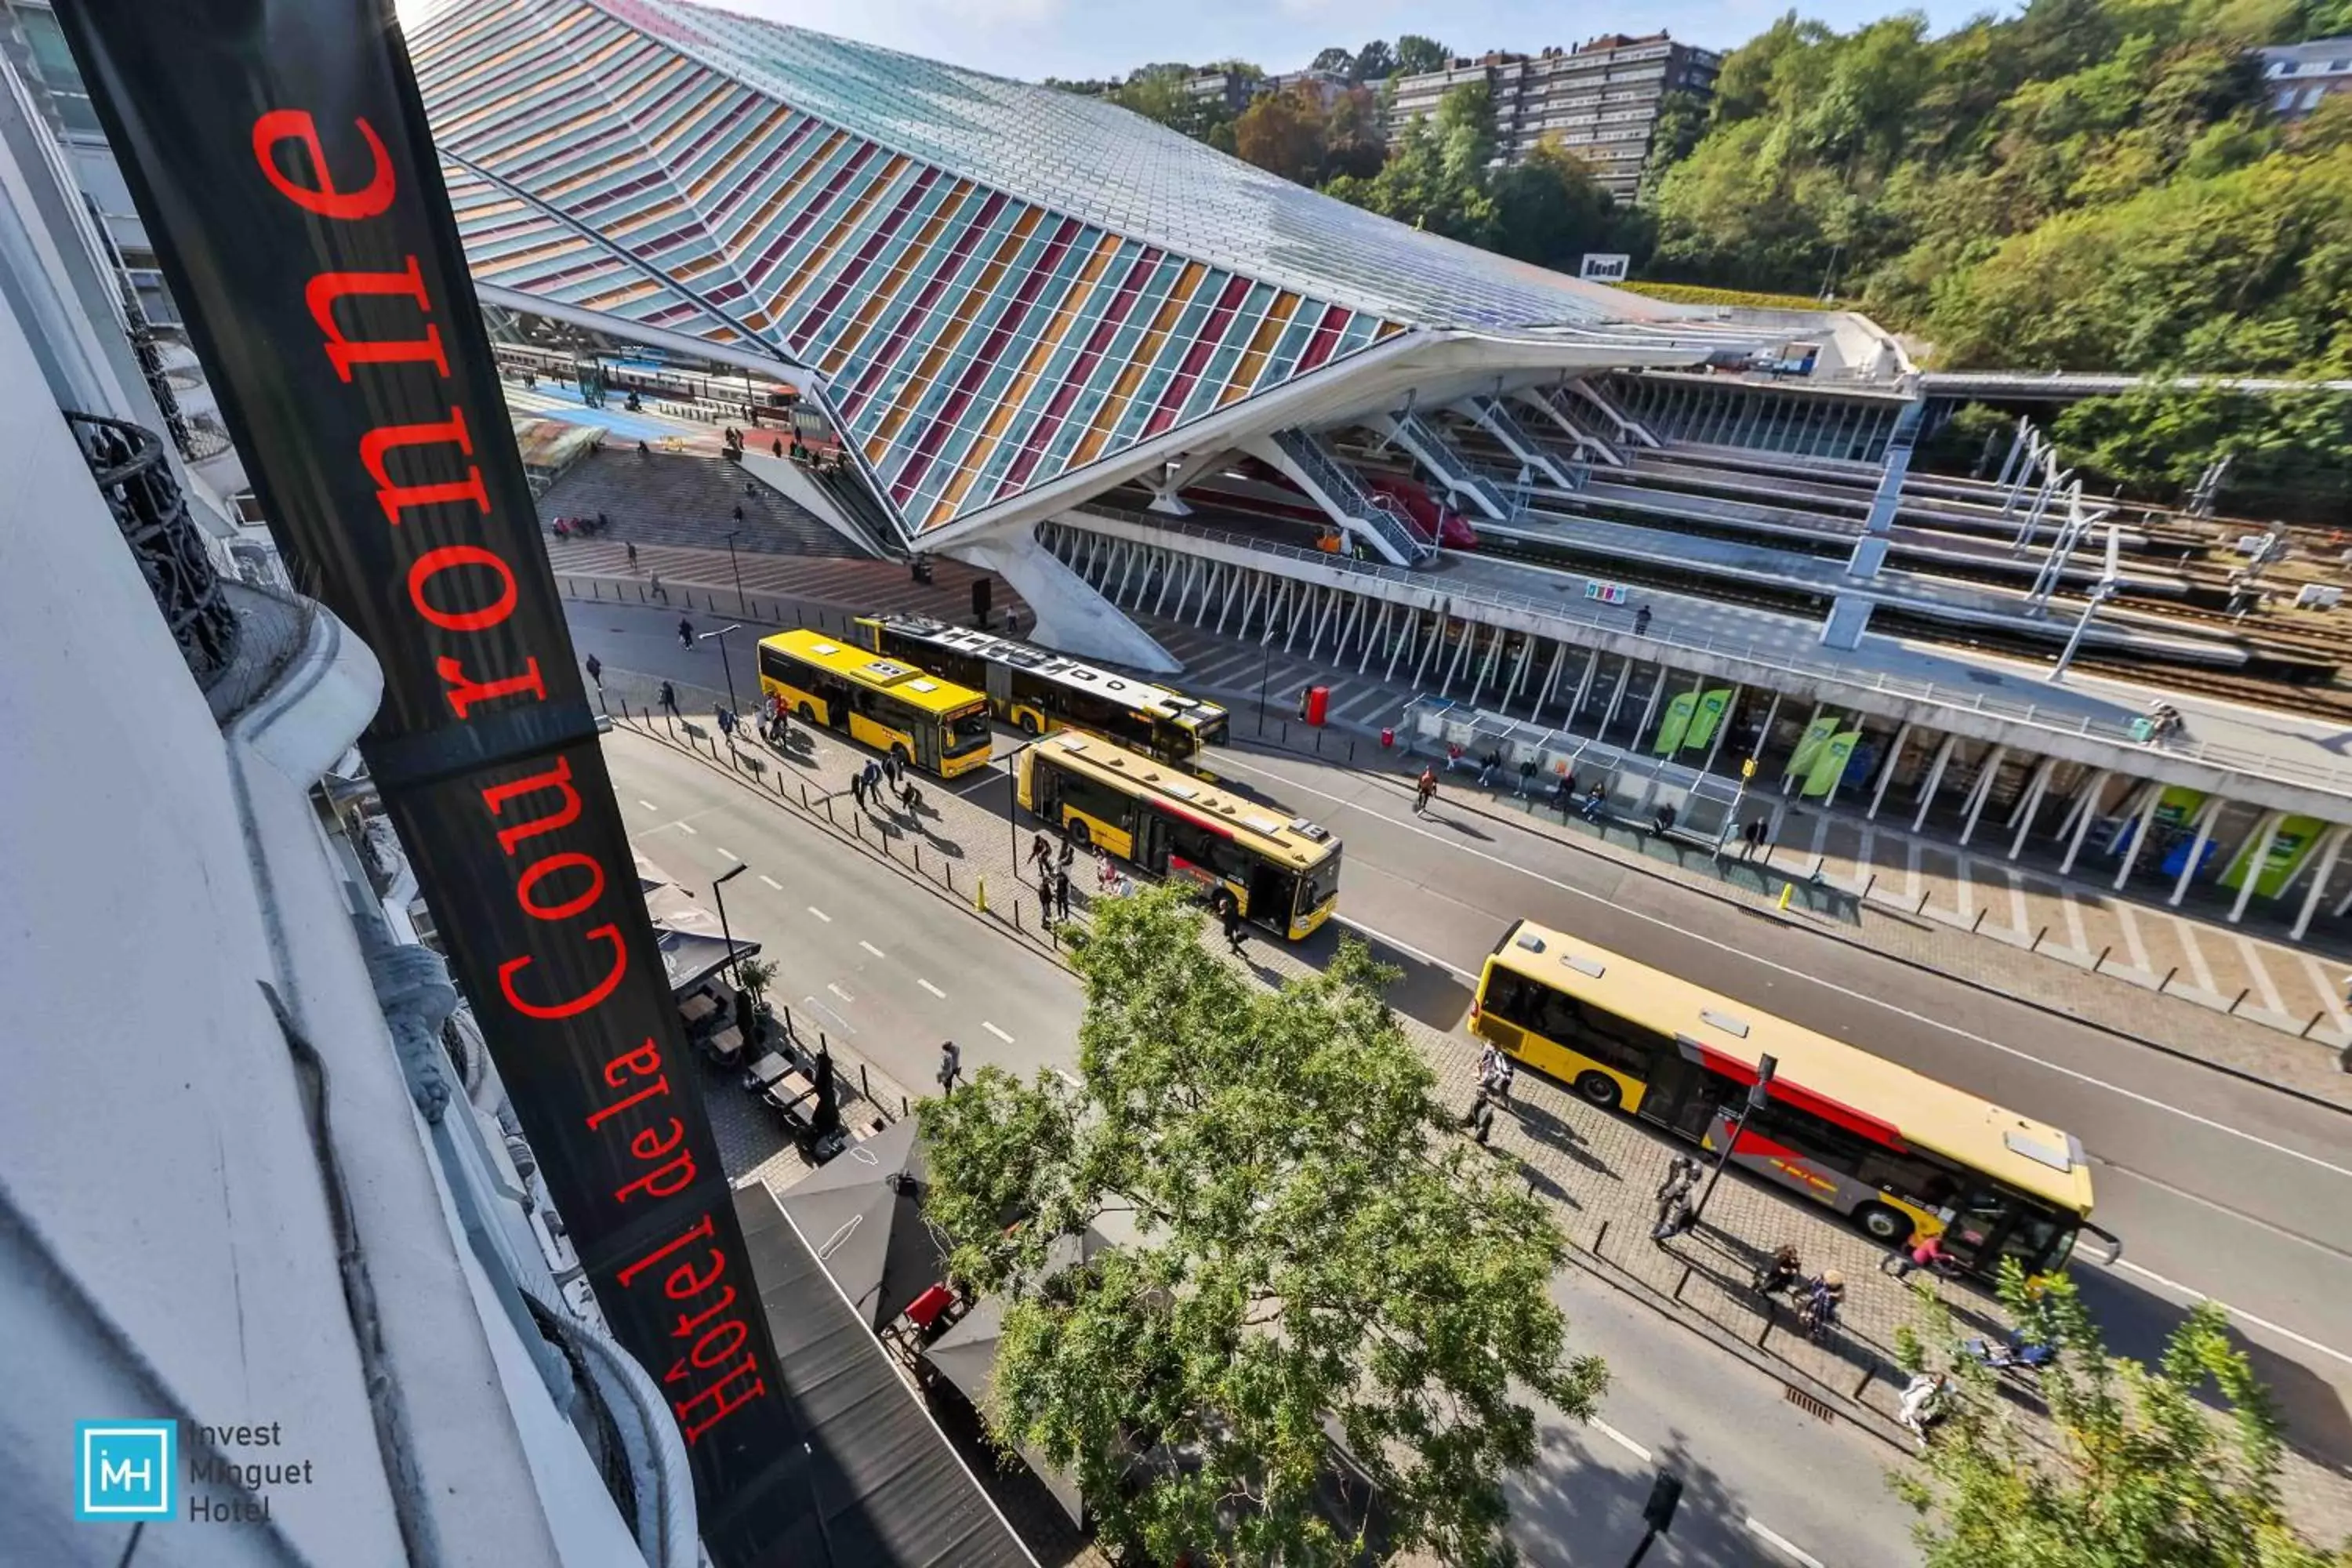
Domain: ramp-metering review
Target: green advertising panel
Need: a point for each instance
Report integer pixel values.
(1829, 765)
(2177, 806)
(1709, 718)
(1817, 735)
(2289, 848)
(1677, 721)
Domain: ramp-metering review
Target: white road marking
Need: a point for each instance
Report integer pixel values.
(1068, 1077)
(2132, 944)
(649, 806)
(997, 1032)
(2261, 976)
(872, 949)
(2073, 909)
(1618, 1438)
(1910, 869)
(931, 988)
(839, 1022)
(837, 991)
(2018, 917)
(1458, 848)
(2197, 964)
(1964, 891)
(688, 829)
(820, 914)
(772, 882)
(1405, 947)
(1772, 1537)
(2329, 990)
(728, 853)
(2195, 1295)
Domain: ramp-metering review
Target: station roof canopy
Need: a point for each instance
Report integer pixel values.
(991, 286)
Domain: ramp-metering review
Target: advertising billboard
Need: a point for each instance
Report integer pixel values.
(278, 155)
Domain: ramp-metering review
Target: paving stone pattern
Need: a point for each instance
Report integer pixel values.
(1600, 1168)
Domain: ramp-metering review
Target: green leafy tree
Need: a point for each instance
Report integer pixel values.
(1550, 210)
(1317, 1245)
(2141, 1472)
(1355, 135)
(1377, 62)
(1437, 178)
(1332, 59)
(1416, 54)
(1282, 132)
(1682, 120)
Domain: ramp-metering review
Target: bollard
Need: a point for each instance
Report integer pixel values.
(979, 902)
(1771, 1318)
(1600, 1238)
(1786, 888)
(1687, 1271)
(2037, 940)
(1318, 743)
(1351, 753)
(828, 811)
(904, 1111)
(2102, 958)
(2249, 991)
(2316, 1017)
(1869, 1375)
(2167, 979)
(1863, 897)
(919, 859)
(1923, 905)
(950, 870)
(804, 804)
(865, 1088)
(1977, 923)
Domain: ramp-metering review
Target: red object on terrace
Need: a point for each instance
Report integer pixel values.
(924, 1309)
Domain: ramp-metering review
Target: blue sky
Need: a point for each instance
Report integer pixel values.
(1079, 39)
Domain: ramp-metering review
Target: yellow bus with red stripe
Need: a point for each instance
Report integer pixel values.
(1899, 1154)
(932, 724)
(1282, 871)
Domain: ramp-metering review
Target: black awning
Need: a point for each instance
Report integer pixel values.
(881, 1487)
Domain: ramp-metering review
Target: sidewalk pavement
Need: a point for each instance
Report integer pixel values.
(1600, 1168)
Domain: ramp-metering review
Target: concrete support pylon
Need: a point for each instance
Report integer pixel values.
(2139, 835)
(2266, 836)
(2204, 833)
(2032, 804)
(1981, 791)
(2328, 853)
(1887, 775)
(2077, 825)
(1935, 781)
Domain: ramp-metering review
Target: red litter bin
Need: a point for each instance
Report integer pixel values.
(1316, 705)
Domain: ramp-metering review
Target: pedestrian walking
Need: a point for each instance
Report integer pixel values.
(658, 590)
(871, 775)
(1062, 892)
(1104, 870)
(894, 768)
(1498, 1079)
(1069, 853)
(739, 513)
(1424, 790)
(684, 632)
(1229, 914)
(1674, 1218)
(1563, 795)
(1642, 622)
(669, 700)
(910, 800)
(1925, 1252)
(1011, 623)
(778, 446)
(1923, 1404)
(1041, 857)
(596, 671)
(1481, 1120)
(632, 549)
(951, 1067)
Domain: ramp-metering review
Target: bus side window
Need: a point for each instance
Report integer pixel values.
(774, 666)
(1608, 1039)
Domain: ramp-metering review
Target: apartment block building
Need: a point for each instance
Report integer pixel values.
(2298, 76)
(1599, 99)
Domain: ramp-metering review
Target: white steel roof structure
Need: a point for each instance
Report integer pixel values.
(1006, 296)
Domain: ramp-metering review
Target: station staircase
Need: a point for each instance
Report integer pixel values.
(1437, 456)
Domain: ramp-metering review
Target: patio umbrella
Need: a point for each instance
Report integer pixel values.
(966, 1356)
(861, 1214)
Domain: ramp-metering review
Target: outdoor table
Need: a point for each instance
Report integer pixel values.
(698, 1007)
(765, 1069)
(727, 1044)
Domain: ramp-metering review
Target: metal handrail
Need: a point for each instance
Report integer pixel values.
(2252, 764)
(1345, 488)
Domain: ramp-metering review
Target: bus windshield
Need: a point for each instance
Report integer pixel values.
(1319, 882)
(961, 731)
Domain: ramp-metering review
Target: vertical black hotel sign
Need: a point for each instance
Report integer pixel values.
(281, 159)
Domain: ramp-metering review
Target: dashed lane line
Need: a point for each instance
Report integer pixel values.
(1618, 1438)
(871, 948)
(1832, 987)
(1780, 1543)
(820, 914)
(2244, 1317)
(649, 806)
(772, 882)
(728, 853)
(997, 1032)
(837, 991)
(844, 1024)
(688, 829)
(931, 988)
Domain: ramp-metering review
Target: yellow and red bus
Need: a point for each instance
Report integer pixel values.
(1282, 871)
(1897, 1153)
(931, 723)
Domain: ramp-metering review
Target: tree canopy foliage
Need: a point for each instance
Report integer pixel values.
(1319, 1252)
(2142, 1472)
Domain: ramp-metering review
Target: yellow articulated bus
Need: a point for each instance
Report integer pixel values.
(1898, 1153)
(892, 707)
(1283, 871)
(1037, 690)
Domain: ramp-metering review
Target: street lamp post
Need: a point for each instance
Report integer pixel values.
(1759, 1094)
(727, 935)
(1013, 800)
(742, 606)
(724, 663)
(1265, 672)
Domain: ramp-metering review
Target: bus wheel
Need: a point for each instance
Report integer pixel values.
(1080, 834)
(906, 758)
(1881, 1223)
(1027, 723)
(1599, 1089)
(808, 714)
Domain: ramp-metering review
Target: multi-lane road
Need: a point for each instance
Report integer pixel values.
(2217, 1186)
